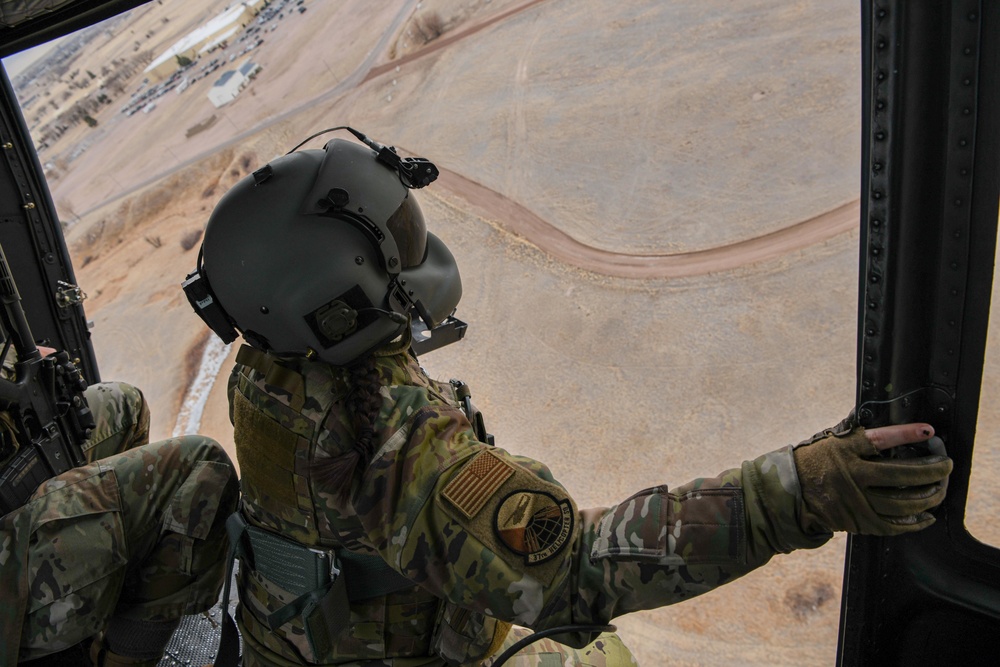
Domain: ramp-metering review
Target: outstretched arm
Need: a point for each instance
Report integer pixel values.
(495, 533)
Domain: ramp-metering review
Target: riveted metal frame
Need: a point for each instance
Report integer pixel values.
(57, 20)
(32, 239)
(930, 185)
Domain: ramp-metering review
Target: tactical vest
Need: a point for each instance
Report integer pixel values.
(311, 590)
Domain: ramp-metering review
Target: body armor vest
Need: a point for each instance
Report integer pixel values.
(286, 413)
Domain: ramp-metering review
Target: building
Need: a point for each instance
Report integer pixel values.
(206, 38)
(231, 83)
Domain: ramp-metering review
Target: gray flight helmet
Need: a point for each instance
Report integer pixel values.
(324, 254)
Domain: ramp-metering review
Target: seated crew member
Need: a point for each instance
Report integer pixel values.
(103, 560)
(351, 454)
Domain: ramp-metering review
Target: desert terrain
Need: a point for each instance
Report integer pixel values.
(654, 206)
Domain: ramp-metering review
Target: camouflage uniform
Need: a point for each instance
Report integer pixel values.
(137, 533)
(490, 537)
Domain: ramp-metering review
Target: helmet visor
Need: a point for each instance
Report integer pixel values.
(407, 226)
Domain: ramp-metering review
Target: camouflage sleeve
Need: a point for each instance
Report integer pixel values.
(496, 533)
(665, 545)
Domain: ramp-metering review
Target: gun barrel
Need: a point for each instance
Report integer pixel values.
(14, 321)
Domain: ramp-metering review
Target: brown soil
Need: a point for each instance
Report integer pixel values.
(653, 208)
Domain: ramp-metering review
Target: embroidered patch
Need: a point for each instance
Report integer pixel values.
(533, 524)
(478, 480)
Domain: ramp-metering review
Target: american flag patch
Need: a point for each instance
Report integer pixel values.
(478, 480)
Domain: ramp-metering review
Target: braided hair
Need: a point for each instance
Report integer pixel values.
(363, 403)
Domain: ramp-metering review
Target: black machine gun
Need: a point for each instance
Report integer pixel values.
(44, 413)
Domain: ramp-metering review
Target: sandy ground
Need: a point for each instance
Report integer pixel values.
(652, 206)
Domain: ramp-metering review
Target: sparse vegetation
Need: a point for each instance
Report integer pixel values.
(430, 25)
(136, 214)
(190, 239)
(200, 127)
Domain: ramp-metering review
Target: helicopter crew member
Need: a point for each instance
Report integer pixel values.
(378, 524)
(119, 549)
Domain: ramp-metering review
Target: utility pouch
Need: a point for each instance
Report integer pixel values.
(297, 569)
(312, 575)
(324, 583)
(462, 636)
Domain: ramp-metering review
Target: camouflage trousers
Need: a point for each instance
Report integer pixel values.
(607, 650)
(138, 533)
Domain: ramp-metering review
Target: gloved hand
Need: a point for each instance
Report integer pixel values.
(848, 482)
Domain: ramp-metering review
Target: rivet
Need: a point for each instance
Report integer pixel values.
(866, 415)
(877, 194)
(967, 50)
(881, 13)
(361, 209)
(963, 171)
(359, 260)
(877, 167)
(867, 384)
(880, 135)
(393, 261)
(870, 332)
(963, 142)
(872, 305)
(264, 310)
(958, 202)
(875, 251)
(880, 105)
(966, 81)
(874, 279)
(880, 76)
(966, 111)
(972, 16)
(869, 357)
(954, 265)
(881, 44)
(876, 222)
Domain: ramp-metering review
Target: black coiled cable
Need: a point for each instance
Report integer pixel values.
(542, 634)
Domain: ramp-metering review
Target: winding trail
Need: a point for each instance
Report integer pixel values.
(520, 221)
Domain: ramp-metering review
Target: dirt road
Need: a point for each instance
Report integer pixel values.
(522, 222)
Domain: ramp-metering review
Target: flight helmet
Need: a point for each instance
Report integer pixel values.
(324, 254)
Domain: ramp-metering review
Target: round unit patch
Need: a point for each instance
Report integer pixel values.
(534, 525)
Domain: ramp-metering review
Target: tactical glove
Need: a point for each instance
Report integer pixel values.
(848, 484)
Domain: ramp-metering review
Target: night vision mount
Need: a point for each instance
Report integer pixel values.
(414, 172)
